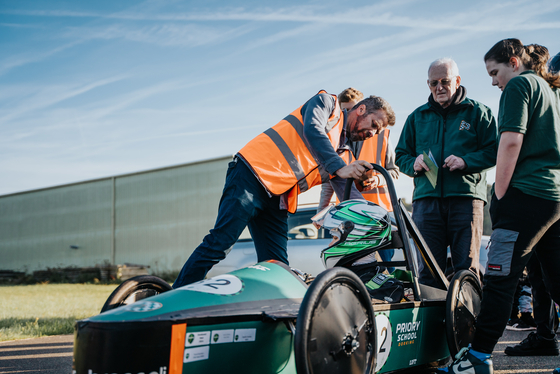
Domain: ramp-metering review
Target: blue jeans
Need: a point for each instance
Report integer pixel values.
(244, 202)
(386, 256)
(450, 221)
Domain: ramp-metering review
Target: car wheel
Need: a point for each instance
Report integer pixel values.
(463, 306)
(134, 289)
(335, 329)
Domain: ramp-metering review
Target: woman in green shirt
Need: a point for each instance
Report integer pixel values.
(525, 207)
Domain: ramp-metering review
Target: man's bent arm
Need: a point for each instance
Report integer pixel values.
(316, 113)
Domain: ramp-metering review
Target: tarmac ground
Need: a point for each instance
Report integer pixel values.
(53, 355)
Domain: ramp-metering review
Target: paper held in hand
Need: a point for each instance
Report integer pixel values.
(433, 172)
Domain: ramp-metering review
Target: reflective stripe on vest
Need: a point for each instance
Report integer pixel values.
(281, 158)
(374, 151)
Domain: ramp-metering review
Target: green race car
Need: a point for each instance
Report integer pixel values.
(354, 317)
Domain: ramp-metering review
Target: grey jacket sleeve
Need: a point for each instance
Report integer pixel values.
(316, 113)
(339, 184)
(390, 165)
(326, 196)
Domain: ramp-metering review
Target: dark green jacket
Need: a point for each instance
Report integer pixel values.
(468, 131)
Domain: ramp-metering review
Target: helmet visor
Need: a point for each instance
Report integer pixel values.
(319, 218)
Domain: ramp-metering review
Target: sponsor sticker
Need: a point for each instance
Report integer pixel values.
(245, 335)
(197, 338)
(144, 306)
(407, 333)
(196, 354)
(162, 370)
(225, 284)
(222, 336)
(259, 267)
(495, 267)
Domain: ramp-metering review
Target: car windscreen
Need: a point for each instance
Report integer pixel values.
(299, 227)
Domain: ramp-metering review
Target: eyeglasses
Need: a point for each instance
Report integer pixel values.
(444, 82)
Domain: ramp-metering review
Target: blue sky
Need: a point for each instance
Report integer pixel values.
(91, 89)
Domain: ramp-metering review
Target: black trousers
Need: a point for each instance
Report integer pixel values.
(451, 221)
(520, 221)
(544, 311)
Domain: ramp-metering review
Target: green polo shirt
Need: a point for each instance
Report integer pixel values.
(531, 107)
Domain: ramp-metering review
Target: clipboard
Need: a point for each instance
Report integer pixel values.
(433, 172)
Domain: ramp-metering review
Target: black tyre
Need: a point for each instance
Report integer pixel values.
(134, 289)
(463, 305)
(335, 330)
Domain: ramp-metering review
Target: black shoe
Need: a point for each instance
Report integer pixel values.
(528, 319)
(512, 321)
(534, 345)
(519, 325)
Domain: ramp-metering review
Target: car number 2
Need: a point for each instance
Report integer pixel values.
(384, 339)
(225, 284)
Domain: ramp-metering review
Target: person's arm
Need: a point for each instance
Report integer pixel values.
(326, 196)
(390, 164)
(339, 184)
(513, 119)
(508, 152)
(316, 113)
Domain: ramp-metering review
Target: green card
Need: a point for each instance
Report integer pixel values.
(432, 174)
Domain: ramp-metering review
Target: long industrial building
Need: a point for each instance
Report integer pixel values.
(154, 218)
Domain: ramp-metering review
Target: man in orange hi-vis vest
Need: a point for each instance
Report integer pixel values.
(266, 176)
(375, 150)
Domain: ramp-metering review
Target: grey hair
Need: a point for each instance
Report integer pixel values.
(445, 61)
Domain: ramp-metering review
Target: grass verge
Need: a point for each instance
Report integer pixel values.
(48, 309)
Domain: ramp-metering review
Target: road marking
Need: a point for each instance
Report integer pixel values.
(516, 371)
(38, 348)
(46, 355)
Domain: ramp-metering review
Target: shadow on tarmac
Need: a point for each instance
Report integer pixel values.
(53, 355)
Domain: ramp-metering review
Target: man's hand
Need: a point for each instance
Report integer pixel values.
(420, 165)
(454, 163)
(370, 183)
(354, 170)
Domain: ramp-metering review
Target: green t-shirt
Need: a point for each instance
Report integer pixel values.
(531, 107)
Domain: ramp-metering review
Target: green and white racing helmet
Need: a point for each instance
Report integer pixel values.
(358, 227)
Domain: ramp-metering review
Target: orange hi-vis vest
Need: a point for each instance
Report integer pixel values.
(374, 151)
(281, 158)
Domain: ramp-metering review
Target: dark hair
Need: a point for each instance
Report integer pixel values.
(532, 56)
(374, 103)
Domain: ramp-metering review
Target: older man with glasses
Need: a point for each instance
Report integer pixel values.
(447, 145)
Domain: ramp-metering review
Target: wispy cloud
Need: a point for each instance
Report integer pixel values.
(12, 62)
(95, 93)
(367, 15)
(19, 25)
(189, 35)
(291, 33)
(53, 95)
